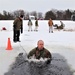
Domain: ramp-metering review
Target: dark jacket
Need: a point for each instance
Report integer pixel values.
(17, 24)
(36, 23)
(44, 53)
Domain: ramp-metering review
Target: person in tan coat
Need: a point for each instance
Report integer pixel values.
(30, 25)
(50, 23)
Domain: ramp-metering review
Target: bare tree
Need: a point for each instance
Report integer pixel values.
(40, 15)
(34, 13)
(59, 15)
(67, 15)
(49, 15)
(26, 16)
(17, 13)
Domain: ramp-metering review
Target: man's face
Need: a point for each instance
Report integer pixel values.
(21, 18)
(40, 45)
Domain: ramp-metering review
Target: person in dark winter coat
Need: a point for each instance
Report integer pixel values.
(36, 25)
(17, 27)
(40, 52)
(30, 25)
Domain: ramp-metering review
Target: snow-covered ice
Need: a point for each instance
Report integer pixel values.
(60, 43)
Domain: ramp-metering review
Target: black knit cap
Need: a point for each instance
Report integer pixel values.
(21, 16)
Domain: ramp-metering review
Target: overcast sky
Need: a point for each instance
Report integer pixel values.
(36, 5)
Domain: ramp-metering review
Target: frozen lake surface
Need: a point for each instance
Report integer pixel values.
(60, 43)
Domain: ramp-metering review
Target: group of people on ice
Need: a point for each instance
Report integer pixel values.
(59, 27)
(18, 27)
(50, 24)
(39, 51)
(30, 24)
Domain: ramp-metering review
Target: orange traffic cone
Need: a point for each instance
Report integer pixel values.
(9, 47)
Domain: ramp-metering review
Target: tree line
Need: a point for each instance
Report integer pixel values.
(53, 13)
(59, 14)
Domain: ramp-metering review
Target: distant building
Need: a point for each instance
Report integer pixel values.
(32, 17)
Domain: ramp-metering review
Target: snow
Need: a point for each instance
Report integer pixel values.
(61, 43)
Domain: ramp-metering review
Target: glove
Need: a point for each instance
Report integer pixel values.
(20, 54)
(21, 29)
(48, 61)
(14, 26)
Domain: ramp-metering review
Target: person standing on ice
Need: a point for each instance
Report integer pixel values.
(17, 28)
(40, 52)
(30, 25)
(50, 23)
(36, 25)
